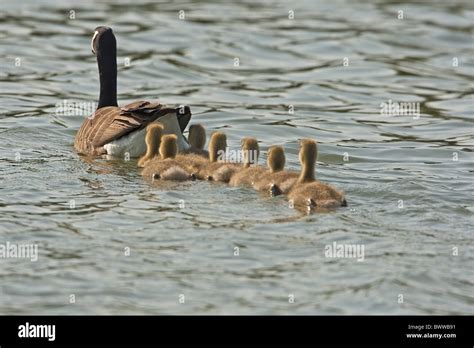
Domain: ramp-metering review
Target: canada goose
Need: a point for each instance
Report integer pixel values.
(251, 170)
(276, 163)
(118, 131)
(154, 132)
(316, 195)
(166, 167)
(283, 181)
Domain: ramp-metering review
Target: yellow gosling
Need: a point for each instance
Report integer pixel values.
(167, 167)
(197, 140)
(251, 170)
(276, 163)
(154, 132)
(217, 149)
(285, 180)
(309, 194)
(316, 195)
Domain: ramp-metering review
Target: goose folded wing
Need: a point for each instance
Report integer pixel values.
(144, 108)
(111, 123)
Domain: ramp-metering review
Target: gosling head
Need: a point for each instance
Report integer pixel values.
(168, 146)
(308, 151)
(197, 136)
(276, 159)
(154, 133)
(217, 146)
(250, 151)
(308, 154)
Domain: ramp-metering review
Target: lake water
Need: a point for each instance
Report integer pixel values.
(109, 243)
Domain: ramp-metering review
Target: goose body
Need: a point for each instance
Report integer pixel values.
(166, 169)
(316, 195)
(134, 142)
(114, 130)
(225, 172)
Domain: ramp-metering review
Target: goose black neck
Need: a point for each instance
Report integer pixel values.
(107, 62)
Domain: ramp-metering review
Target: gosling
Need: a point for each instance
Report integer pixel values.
(154, 133)
(196, 157)
(307, 193)
(283, 181)
(214, 169)
(316, 195)
(167, 167)
(251, 170)
(276, 163)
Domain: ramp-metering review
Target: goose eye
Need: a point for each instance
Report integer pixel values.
(92, 42)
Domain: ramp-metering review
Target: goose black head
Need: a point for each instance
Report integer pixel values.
(103, 38)
(104, 46)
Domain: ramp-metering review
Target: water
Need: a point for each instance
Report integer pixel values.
(410, 200)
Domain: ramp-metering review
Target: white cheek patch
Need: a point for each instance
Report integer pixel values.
(92, 42)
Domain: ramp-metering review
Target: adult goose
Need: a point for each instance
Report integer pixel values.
(114, 130)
